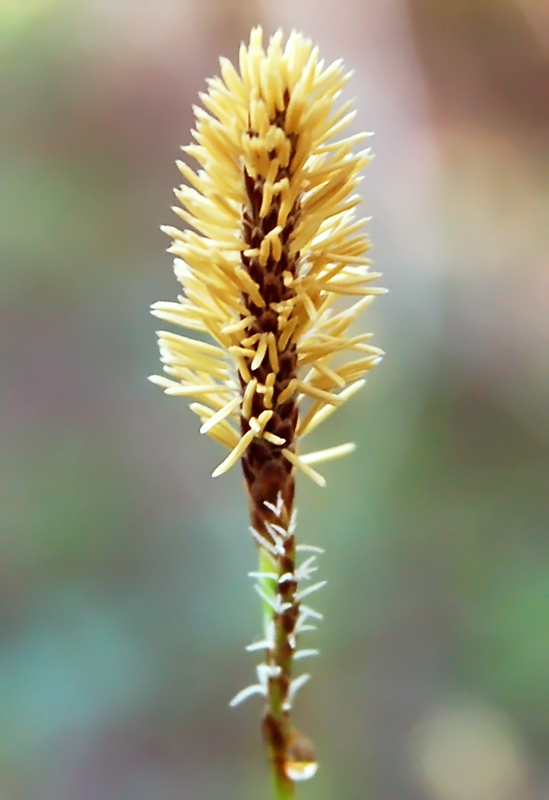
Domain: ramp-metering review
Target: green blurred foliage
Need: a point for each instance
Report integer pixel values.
(125, 605)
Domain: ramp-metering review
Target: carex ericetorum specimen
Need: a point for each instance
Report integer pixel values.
(272, 252)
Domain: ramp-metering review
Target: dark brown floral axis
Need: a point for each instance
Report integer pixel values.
(267, 472)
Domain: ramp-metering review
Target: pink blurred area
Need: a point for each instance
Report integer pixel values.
(125, 607)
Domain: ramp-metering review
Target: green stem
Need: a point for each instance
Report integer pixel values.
(283, 787)
(277, 727)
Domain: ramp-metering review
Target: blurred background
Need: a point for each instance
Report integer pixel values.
(124, 601)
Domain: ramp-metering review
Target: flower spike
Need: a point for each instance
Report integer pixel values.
(271, 249)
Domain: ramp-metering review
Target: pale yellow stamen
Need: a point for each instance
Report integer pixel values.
(318, 394)
(287, 333)
(183, 391)
(260, 353)
(245, 352)
(303, 467)
(184, 342)
(238, 327)
(289, 391)
(273, 354)
(233, 456)
(258, 425)
(223, 432)
(243, 369)
(273, 438)
(251, 340)
(250, 286)
(267, 390)
(311, 421)
(248, 397)
(220, 415)
(330, 374)
(329, 454)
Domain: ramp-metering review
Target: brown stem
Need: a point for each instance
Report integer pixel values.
(277, 728)
(268, 473)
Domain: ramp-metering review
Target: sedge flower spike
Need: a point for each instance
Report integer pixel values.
(272, 248)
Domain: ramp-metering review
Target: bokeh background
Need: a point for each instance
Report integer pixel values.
(124, 601)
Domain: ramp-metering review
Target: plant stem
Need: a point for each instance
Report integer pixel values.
(283, 787)
(277, 727)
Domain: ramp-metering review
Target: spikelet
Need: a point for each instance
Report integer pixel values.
(272, 246)
(275, 244)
